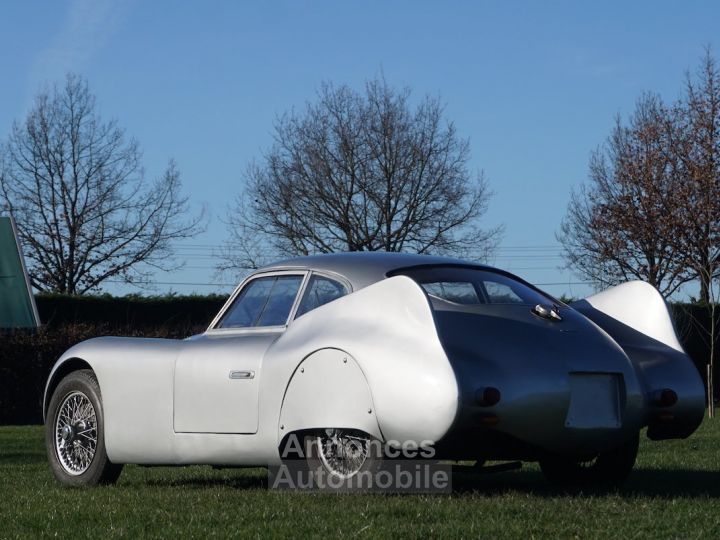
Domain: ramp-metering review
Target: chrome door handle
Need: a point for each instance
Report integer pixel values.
(242, 374)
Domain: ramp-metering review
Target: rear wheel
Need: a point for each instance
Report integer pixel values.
(338, 456)
(74, 433)
(610, 467)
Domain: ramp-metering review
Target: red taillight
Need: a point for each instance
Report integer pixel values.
(665, 398)
(487, 397)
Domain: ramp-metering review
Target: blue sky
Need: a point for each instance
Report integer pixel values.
(534, 85)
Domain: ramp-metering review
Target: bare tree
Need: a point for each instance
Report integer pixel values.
(361, 172)
(76, 188)
(652, 210)
(697, 145)
(625, 223)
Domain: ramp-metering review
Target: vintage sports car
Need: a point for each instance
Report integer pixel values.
(345, 350)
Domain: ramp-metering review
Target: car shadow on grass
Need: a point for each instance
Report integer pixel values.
(242, 481)
(674, 483)
(662, 483)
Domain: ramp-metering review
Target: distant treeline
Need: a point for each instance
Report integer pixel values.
(26, 358)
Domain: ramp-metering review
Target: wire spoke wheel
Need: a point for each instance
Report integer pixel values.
(76, 433)
(343, 452)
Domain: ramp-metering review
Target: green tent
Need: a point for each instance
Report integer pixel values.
(17, 304)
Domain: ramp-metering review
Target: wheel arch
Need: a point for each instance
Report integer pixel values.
(327, 389)
(60, 371)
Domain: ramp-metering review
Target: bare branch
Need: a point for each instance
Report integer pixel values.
(624, 224)
(77, 190)
(362, 171)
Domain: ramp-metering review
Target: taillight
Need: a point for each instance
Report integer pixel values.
(664, 398)
(488, 396)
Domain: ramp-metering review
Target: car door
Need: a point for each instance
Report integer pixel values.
(217, 374)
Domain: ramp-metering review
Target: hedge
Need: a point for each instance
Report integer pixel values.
(129, 311)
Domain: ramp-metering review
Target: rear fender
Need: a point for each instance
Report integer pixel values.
(637, 305)
(328, 389)
(635, 315)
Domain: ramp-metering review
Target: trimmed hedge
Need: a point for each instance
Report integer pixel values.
(58, 310)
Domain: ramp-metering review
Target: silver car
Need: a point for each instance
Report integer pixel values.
(345, 350)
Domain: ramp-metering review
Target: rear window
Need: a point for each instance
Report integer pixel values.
(471, 286)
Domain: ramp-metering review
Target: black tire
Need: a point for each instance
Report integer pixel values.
(87, 465)
(611, 467)
(325, 476)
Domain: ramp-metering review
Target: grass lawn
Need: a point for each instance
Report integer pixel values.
(673, 492)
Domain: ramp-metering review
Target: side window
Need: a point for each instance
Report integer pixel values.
(265, 301)
(320, 290)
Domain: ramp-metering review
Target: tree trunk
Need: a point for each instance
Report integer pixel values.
(704, 297)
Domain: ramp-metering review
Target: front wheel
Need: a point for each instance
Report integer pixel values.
(74, 433)
(611, 467)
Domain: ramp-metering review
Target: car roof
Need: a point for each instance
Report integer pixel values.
(363, 268)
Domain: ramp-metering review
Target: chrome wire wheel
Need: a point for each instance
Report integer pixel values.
(76, 434)
(343, 452)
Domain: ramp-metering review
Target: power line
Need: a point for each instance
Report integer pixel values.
(541, 247)
(206, 253)
(198, 284)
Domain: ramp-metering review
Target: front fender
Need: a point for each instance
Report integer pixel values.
(132, 373)
(75, 358)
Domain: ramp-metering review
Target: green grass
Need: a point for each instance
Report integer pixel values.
(673, 492)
